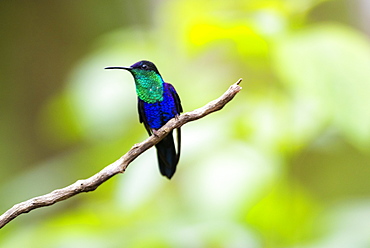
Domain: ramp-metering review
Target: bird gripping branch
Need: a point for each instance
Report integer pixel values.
(158, 102)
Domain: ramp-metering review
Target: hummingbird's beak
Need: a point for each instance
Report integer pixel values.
(119, 67)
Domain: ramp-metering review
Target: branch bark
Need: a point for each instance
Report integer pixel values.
(121, 164)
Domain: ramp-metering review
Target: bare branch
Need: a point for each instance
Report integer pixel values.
(121, 164)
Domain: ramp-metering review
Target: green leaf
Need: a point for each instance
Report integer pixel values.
(328, 65)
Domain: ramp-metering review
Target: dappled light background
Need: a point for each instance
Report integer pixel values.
(285, 164)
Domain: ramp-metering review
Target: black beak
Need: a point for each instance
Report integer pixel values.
(119, 67)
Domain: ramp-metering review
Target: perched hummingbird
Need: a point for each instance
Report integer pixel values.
(158, 102)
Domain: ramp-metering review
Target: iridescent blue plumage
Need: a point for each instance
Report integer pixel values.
(159, 113)
(158, 102)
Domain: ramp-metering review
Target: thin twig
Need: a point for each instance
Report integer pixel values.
(121, 164)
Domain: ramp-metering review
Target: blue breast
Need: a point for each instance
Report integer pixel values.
(159, 113)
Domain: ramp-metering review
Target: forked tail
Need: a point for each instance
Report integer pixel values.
(167, 155)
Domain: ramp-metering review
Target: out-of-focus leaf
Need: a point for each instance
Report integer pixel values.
(278, 125)
(248, 41)
(57, 122)
(284, 216)
(329, 66)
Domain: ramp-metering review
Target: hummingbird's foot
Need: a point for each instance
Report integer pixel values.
(155, 132)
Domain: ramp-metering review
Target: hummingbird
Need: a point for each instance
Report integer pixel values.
(158, 102)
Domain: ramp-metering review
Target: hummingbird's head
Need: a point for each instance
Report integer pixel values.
(148, 81)
(144, 65)
(140, 68)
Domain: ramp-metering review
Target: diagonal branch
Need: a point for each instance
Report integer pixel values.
(121, 164)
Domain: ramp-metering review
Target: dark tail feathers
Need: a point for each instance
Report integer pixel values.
(167, 155)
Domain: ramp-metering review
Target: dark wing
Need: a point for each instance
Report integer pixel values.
(142, 117)
(179, 110)
(176, 97)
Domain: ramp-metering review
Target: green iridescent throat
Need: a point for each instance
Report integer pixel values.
(149, 85)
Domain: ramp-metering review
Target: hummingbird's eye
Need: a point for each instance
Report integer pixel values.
(144, 66)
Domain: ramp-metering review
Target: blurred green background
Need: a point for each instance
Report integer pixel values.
(285, 164)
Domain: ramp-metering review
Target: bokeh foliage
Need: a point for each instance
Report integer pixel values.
(285, 164)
